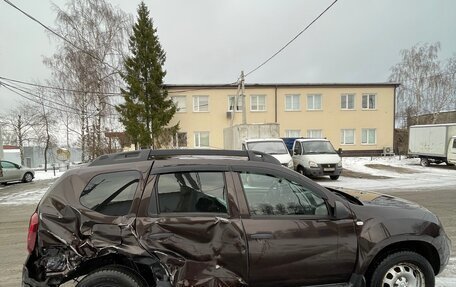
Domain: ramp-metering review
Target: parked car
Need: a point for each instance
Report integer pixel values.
(274, 147)
(316, 157)
(224, 218)
(10, 172)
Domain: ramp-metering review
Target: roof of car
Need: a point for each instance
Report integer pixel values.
(263, 140)
(311, 140)
(182, 154)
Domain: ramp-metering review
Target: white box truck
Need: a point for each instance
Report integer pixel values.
(433, 143)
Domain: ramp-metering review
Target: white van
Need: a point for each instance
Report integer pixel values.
(316, 157)
(274, 147)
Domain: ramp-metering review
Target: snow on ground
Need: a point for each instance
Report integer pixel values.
(42, 175)
(400, 173)
(30, 196)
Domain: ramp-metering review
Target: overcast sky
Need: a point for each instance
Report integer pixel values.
(209, 41)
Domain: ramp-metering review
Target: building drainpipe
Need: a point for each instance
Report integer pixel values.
(394, 123)
(275, 105)
(1, 144)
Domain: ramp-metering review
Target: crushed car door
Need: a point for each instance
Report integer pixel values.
(292, 238)
(190, 221)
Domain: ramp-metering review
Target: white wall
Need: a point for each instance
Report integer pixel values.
(12, 155)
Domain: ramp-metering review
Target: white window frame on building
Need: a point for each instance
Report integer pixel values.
(345, 103)
(369, 136)
(311, 104)
(343, 136)
(231, 100)
(292, 102)
(180, 102)
(315, 134)
(197, 106)
(369, 102)
(180, 140)
(292, 133)
(255, 102)
(198, 136)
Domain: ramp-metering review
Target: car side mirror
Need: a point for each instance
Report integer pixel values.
(341, 211)
(339, 151)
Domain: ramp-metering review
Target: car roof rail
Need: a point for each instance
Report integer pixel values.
(149, 154)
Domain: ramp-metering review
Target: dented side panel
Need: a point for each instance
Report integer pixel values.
(70, 235)
(197, 249)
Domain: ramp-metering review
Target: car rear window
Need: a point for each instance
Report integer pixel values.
(111, 193)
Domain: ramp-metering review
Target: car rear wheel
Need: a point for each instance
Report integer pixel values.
(113, 277)
(334, 177)
(28, 177)
(404, 268)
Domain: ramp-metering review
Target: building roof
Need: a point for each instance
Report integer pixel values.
(283, 85)
(5, 147)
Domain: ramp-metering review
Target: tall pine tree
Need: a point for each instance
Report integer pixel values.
(147, 110)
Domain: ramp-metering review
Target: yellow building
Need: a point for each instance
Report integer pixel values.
(354, 117)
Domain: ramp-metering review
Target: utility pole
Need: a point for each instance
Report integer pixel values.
(235, 104)
(244, 116)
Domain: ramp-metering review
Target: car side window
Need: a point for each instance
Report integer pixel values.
(270, 195)
(111, 193)
(297, 148)
(200, 192)
(10, 165)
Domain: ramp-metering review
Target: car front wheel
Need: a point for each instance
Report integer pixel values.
(28, 177)
(404, 268)
(112, 277)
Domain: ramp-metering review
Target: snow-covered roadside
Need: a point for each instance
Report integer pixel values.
(409, 174)
(42, 175)
(29, 196)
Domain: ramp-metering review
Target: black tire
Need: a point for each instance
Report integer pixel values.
(301, 170)
(403, 267)
(449, 164)
(334, 177)
(425, 161)
(111, 276)
(28, 177)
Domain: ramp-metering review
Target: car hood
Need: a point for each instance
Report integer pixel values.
(375, 198)
(283, 158)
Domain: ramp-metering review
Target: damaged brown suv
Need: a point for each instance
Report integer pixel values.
(224, 218)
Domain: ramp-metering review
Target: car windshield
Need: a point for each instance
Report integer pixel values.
(318, 147)
(269, 147)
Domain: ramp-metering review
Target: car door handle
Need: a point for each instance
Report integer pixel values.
(261, 236)
(159, 236)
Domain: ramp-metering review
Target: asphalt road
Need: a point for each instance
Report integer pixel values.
(14, 223)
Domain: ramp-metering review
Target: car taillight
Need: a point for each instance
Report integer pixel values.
(32, 232)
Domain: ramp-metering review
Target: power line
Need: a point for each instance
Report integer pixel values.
(61, 89)
(59, 36)
(294, 38)
(69, 109)
(105, 93)
(35, 101)
(37, 96)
